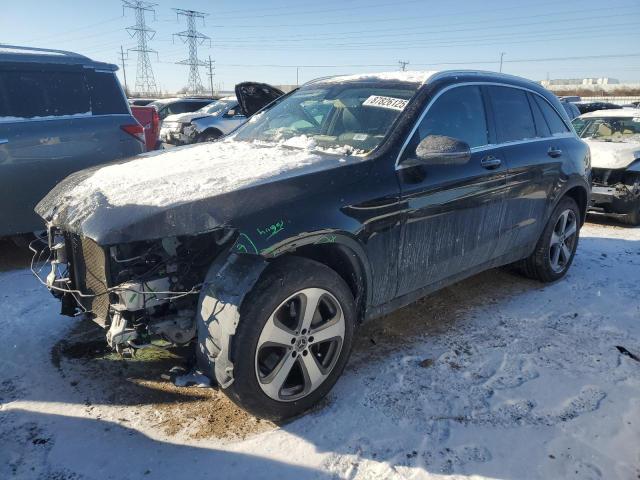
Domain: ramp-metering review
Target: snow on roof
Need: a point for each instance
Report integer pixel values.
(420, 77)
(191, 173)
(614, 112)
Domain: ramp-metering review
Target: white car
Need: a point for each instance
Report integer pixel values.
(614, 139)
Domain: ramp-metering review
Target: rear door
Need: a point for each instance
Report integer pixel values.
(453, 211)
(534, 158)
(51, 126)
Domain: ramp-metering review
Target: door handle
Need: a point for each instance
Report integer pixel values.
(554, 152)
(3, 141)
(490, 162)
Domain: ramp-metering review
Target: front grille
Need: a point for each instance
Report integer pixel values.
(89, 274)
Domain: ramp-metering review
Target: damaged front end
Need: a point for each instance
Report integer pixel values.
(138, 291)
(616, 190)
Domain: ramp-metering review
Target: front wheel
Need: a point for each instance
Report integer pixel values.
(633, 217)
(293, 339)
(557, 245)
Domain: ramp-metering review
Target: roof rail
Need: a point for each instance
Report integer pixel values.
(19, 49)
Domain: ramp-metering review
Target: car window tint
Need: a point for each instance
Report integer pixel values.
(556, 124)
(106, 94)
(514, 120)
(541, 124)
(38, 93)
(458, 113)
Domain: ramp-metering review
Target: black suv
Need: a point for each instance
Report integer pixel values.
(339, 202)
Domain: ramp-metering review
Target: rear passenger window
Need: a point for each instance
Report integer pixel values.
(42, 93)
(106, 94)
(541, 124)
(554, 121)
(514, 120)
(458, 113)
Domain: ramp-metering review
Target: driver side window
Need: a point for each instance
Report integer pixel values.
(458, 113)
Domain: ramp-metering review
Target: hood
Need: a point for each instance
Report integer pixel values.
(254, 96)
(184, 117)
(180, 191)
(613, 155)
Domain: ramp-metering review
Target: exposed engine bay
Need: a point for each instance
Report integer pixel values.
(138, 292)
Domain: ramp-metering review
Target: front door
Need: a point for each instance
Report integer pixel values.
(453, 211)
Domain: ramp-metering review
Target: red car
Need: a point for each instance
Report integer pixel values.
(150, 120)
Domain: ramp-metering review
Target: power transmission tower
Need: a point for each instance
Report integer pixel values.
(193, 39)
(211, 73)
(124, 70)
(145, 81)
(403, 65)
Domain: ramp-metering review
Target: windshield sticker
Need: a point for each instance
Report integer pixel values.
(386, 102)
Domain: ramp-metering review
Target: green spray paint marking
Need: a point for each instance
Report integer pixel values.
(272, 229)
(241, 247)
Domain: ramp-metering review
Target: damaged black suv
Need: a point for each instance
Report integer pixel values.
(339, 202)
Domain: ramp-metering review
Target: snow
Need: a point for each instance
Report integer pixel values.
(8, 119)
(614, 154)
(420, 77)
(621, 112)
(494, 378)
(188, 174)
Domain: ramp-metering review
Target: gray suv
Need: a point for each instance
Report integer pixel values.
(59, 112)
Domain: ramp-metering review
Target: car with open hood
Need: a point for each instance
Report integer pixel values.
(614, 139)
(341, 201)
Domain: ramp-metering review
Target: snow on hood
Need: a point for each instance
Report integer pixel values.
(613, 154)
(420, 77)
(185, 174)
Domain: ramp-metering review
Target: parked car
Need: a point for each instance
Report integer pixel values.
(172, 106)
(216, 119)
(586, 107)
(571, 109)
(150, 120)
(176, 128)
(614, 139)
(141, 102)
(342, 201)
(206, 129)
(59, 112)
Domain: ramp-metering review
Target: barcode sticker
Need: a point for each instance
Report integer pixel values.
(386, 102)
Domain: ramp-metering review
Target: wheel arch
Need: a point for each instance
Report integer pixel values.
(581, 197)
(209, 130)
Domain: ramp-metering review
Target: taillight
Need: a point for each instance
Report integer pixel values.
(135, 130)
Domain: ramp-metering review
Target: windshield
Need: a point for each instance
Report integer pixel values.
(608, 129)
(351, 117)
(216, 107)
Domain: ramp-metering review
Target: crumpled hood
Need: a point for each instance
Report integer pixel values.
(175, 191)
(185, 117)
(613, 155)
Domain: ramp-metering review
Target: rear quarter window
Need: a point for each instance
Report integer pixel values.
(106, 95)
(514, 119)
(555, 122)
(36, 92)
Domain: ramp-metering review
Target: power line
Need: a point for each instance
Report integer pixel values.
(124, 70)
(145, 81)
(193, 39)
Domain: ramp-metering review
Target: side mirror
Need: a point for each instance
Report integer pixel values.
(230, 113)
(440, 150)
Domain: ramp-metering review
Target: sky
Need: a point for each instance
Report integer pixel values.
(287, 42)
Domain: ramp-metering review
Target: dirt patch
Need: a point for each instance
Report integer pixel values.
(103, 377)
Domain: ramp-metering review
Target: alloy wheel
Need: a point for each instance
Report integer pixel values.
(299, 344)
(563, 239)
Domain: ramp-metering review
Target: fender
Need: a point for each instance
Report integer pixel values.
(228, 281)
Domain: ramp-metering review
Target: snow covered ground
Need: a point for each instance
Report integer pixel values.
(496, 377)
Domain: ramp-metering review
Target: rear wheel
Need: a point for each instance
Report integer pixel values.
(293, 340)
(209, 136)
(557, 245)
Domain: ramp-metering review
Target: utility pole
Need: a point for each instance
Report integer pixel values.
(193, 39)
(145, 81)
(211, 73)
(297, 76)
(501, 57)
(403, 65)
(124, 70)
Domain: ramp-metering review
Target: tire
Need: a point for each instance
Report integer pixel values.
(209, 136)
(290, 281)
(540, 265)
(632, 218)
